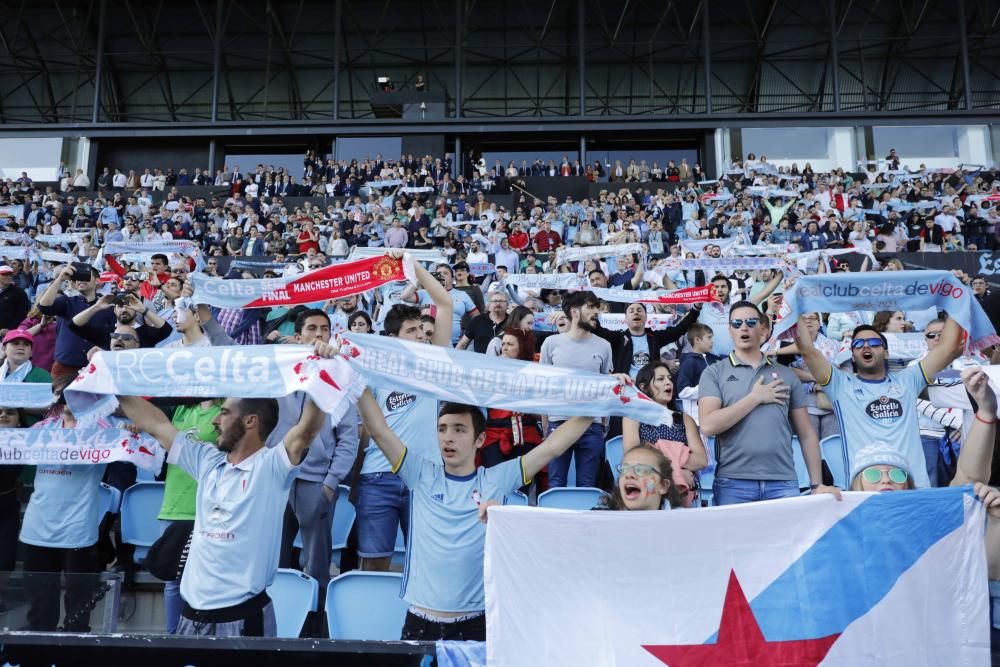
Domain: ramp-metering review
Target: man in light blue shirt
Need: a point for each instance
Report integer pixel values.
(59, 534)
(383, 501)
(874, 405)
(443, 578)
(462, 304)
(240, 505)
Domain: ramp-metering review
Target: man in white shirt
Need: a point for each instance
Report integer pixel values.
(242, 486)
(118, 180)
(946, 220)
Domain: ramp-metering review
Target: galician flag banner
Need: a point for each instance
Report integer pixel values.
(877, 579)
(252, 371)
(330, 282)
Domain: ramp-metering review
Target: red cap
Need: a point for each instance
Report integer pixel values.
(18, 334)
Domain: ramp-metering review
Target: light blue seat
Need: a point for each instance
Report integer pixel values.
(570, 498)
(706, 478)
(517, 498)
(832, 448)
(344, 514)
(140, 507)
(294, 594)
(111, 499)
(801, 471)
(365, 606)
(399, 549)
(614, 452)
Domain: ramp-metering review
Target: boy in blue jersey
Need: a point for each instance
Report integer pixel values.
(873, 404)
(383, 499)
(443, 579)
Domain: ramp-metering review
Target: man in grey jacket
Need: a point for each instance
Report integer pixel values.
(313, 497)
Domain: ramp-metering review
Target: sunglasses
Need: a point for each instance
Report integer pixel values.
(124, 336)
(859, 343)
(637, 469)
(751, 322)
(932, 335)
(874, 475)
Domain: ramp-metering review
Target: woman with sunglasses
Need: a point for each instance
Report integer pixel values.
(645, 482)
(676, 437)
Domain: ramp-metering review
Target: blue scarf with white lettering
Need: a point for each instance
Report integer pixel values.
(496, 382)
(253, 371)
(92, 445)
(887, 290)
(14, 394)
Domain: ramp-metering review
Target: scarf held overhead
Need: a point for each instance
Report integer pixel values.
(93, 445)
(330, 282)
(887, 290)
(253, 371)
(495, 382)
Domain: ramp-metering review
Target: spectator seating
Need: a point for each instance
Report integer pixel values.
(365, 606)
(570, 498)
(801, 471)
(344, 514)
(706, 478)
(111, 499)
(399, 550)
(517, 498)
(832, 448)
(614, 452)
(140, 506)
(294, 595)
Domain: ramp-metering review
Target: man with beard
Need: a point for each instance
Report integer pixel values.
(131, 312)
(638, 345)
(578, 348)
(242, 487)
(874, 405)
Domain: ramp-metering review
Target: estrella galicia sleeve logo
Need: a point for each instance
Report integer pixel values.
(398, 400)
(885, 410)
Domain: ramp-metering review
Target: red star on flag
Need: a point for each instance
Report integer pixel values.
(741, 642)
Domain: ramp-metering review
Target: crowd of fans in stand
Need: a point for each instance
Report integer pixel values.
(51, 319)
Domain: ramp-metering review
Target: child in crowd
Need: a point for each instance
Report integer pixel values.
(645, 482)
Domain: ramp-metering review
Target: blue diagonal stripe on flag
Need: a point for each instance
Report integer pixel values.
(854, 564)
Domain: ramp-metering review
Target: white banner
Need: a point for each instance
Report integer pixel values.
(800, 581)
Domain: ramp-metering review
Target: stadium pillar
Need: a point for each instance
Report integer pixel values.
(581, 67)
(459, 161)
(834, 56)
(707, 52)
(95, 113)
(583, 150)
(336, 58)
(211, 157)
(217, 60)
(459, 36)
(963, 41)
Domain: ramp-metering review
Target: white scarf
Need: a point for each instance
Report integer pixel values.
(6, 375)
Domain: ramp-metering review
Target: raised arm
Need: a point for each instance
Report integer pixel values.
(149, 418)
(84, 316)
(300, 436)
(768, 288)
(975, 460)
(946, 352)
(442, 300)
(817, 363)
(557, 443)
(375, 424)
(48, 297)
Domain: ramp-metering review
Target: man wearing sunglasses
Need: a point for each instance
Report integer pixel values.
(873, 404)
(752, 405)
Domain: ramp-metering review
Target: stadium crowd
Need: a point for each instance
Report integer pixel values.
(570, 284)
